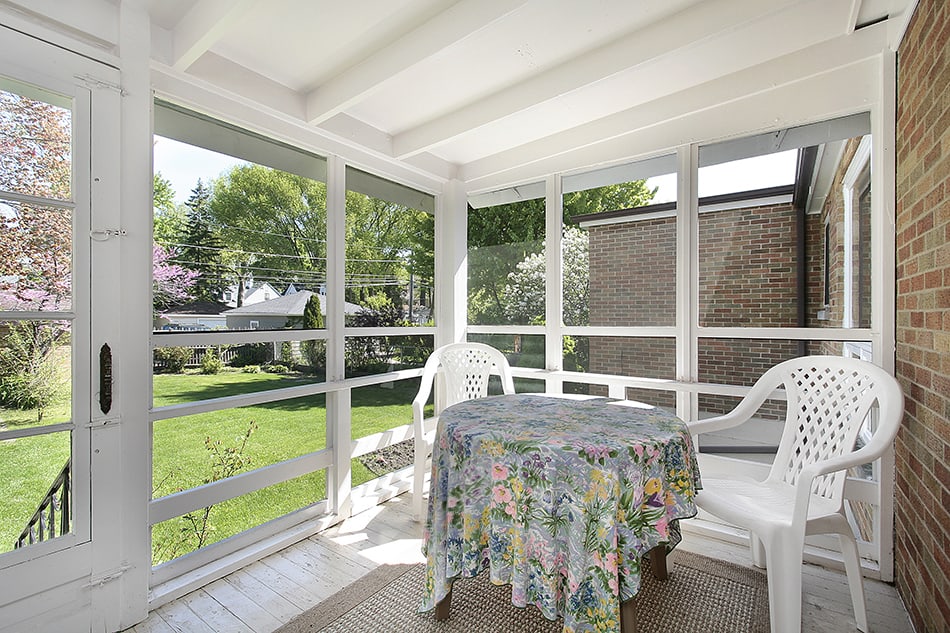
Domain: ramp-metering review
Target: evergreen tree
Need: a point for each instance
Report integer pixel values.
(200, 247)
(314, 351)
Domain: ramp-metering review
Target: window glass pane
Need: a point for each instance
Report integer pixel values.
(365, 355)
(378, 408)
(193, 450)
(35, 373)
(35, 257)
(240, 238)
(182, 535)
(619, 245)
(201, 372)
(35, 141)
(29, 468)
(390, 253)
(624, 356)
(784, 228)
(742, 362)
(506, 278)
(521, 350)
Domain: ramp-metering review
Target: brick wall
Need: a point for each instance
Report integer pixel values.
(747, 271)
(633, 273)
(922, 499)
(633, 268)
(748, 277)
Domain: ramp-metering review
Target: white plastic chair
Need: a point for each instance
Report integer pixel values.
(829, 399)
(466, 368)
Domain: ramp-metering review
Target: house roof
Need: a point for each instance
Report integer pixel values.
(197, 308)
(287, 305)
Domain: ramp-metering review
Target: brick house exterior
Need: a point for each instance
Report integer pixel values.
(922, 497)
(749, 277)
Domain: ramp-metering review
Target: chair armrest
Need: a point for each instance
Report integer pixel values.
(718, 423)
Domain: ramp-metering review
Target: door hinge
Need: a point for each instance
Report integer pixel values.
(101, 235)
(93, 82)
(109, 576)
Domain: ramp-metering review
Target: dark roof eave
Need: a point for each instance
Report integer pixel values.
(753, 194)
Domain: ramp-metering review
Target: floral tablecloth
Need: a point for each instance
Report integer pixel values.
(559, 498)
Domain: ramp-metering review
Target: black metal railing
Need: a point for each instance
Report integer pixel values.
(52, 517)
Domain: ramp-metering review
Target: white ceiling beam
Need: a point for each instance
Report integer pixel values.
(188, 91)
(204, 24)
(94, 22)
(459, 21)
(606, 138)
(694, 24)
(899, 19)
(853, 15)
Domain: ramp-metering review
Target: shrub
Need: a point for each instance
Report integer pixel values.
(276, 368)
(29, 375)
(251, 354)
(170, 360)
(287, 354)
(210, 361)
(251, 369)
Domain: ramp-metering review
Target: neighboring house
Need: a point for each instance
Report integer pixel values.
(772, 257)
(194, 315)
(253, 293)
(275, 314)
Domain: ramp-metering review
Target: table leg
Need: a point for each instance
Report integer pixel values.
(443, 607)
(628, 615)
(658, 562)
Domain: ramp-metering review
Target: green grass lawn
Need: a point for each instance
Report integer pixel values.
(282, 430)
(28, 465)
(181, 457)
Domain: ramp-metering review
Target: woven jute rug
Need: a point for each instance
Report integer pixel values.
(701, 595)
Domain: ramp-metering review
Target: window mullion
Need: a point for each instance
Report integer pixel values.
(687, 276)
(554, 212)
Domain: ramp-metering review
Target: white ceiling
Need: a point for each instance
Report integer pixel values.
(454, 87)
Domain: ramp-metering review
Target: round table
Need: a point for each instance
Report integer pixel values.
(557, 496)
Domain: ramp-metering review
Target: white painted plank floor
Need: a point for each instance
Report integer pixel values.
(268, 593)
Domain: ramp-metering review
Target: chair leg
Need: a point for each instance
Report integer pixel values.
(418, 484)
(852, 565)
(784, 572)
(757, 550)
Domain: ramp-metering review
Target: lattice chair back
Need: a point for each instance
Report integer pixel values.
(466, 370)
(829, 400)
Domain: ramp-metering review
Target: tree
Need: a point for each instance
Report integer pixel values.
(30, 376)
(314, 351)
(169, 218)
(385, 243)
(199, 246)
(35, 147)
(502, 238)
(35, 240)
(35, 248)
(524, 292)
(274, 226)
(171, 283)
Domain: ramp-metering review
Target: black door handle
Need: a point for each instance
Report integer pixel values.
(105, 378)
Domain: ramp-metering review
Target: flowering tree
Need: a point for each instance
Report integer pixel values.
(35, 240)
(524, 292)
(171, 283)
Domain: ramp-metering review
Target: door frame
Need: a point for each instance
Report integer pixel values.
(55, 584)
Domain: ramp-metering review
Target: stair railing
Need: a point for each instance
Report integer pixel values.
(52, 517)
